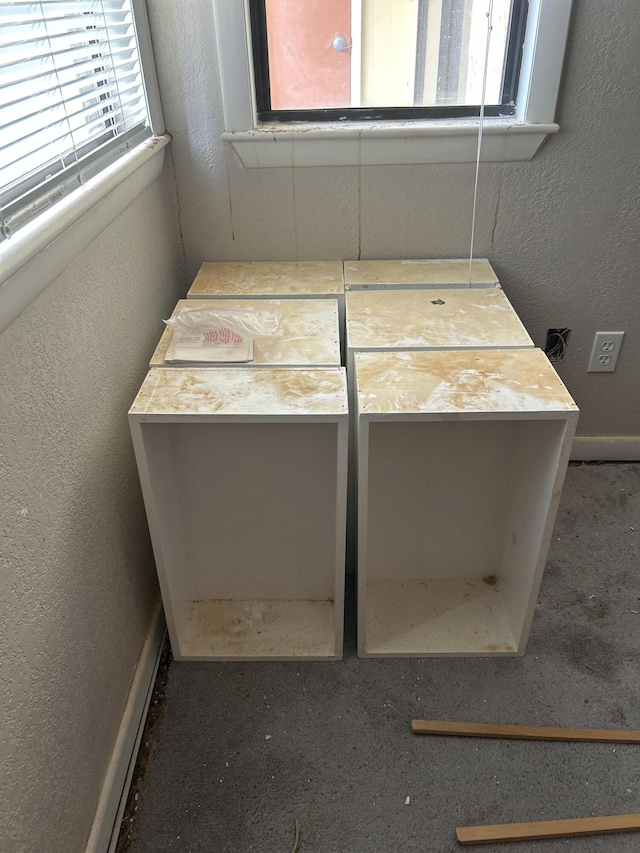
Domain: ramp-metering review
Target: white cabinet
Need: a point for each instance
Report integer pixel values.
(243, 474)
(461, 458)
(460, 436)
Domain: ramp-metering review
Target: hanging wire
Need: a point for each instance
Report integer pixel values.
(480, 127)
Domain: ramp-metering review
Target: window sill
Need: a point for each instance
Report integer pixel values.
(33, 257)
(378, 144)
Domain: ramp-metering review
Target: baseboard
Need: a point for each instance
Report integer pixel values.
(606, 448)
(115, 788)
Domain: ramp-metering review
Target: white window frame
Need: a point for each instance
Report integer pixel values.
(377, 143)
(39, 251)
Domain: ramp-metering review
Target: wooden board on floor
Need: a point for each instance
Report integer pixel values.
(547, 829)
(447, 727)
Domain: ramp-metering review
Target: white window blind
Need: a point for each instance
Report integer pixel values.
(72, 98)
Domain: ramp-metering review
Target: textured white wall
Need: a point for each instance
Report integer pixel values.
(76, 572)
(561, 230)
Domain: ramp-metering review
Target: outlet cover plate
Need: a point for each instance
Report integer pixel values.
(605, 352)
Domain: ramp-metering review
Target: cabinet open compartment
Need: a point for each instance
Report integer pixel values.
(243, 474)
(310, 333)
(461, 459)
(418, 274)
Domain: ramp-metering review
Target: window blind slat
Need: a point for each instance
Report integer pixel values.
(87, 88)
(22, 128)
(43, 38)
(32, 12)
(80, 73)
(96, 75)
(62, 145)
(78, 119)
(44, 43)
(83, 72)
(64, 61)
(13, 30)
(23, 23)
(32, 7)
(82, 52)
(64, 142)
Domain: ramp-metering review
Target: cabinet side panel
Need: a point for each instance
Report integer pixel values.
(438, 497)
(154, 457)
(539, 468)
(259, 508)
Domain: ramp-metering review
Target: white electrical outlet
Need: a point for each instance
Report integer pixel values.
(604, 355)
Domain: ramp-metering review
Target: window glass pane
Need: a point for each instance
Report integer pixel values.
(384, 53)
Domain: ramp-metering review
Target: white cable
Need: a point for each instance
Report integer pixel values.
(480, 126)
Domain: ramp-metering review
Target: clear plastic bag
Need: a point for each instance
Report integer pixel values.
(246, 325)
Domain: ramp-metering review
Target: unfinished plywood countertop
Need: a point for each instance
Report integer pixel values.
(463, 318)
(310, 332)
(445, 384)
(193, 393)
(279, 279)
(423, 273)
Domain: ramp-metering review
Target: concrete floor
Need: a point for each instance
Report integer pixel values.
(240, 750)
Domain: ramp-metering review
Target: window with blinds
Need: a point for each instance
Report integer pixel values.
(72, 99)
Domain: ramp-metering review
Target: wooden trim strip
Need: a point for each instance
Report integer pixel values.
(547, 829)
(446, 727)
